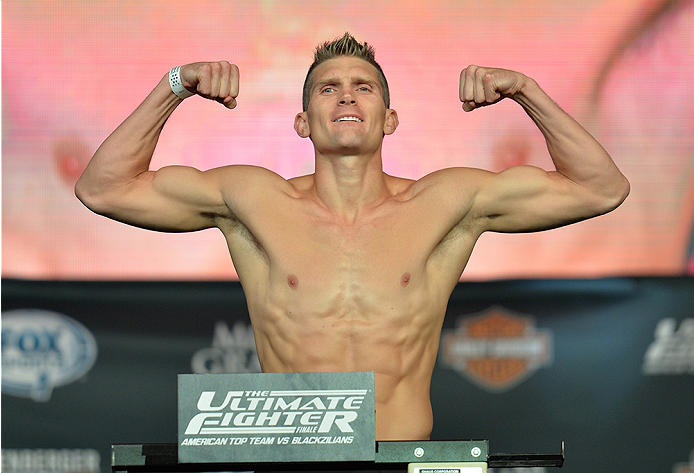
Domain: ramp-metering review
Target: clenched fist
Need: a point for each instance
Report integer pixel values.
(481, 86)
(217, 81)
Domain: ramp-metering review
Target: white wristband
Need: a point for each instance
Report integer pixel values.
(177, 85)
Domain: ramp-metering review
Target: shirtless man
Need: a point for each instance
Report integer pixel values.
(350, 269)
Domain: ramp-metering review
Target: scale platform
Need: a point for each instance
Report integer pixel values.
(428, 456)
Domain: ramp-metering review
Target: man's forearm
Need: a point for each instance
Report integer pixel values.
(575, 153)
(127, 152)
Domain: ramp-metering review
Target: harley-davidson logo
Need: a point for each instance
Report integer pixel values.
(496, 349)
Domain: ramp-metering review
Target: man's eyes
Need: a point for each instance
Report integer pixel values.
(362, 88)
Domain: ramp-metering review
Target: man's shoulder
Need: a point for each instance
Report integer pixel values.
(249, 178)
(245, 170)
(450, 179)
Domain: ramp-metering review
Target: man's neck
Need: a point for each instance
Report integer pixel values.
(349, 185)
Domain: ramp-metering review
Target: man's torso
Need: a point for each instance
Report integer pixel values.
(369, 294)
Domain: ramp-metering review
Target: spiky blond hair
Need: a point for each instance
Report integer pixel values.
(344, 46)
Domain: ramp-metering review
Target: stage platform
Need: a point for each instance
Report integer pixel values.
(163, 457)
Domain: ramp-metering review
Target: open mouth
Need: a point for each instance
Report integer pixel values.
(349, 119)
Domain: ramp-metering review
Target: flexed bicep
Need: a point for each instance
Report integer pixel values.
(529, 199)
(118, 182)
(586, 183)
(173, 199)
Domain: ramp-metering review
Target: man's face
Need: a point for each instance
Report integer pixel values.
(346, 113)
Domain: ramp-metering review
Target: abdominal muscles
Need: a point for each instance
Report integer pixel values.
(390, 334)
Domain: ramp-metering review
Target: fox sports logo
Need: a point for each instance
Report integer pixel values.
(42, 350)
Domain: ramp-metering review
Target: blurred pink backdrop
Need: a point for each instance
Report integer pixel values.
(73, 70)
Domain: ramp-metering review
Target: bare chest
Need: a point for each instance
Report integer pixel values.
(314, 265)
(383, 253)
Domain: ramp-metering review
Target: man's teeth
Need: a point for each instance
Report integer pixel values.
(348, 119)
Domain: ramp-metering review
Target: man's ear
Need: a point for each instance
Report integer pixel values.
(301, 125)
(391, 122)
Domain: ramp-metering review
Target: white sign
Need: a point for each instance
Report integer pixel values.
(271, 417)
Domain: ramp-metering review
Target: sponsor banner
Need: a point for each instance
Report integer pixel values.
(600, 333)
(232, 351)
(496, 349)
(272, 417)
(672, 350)
(42, 350)
(50, 460)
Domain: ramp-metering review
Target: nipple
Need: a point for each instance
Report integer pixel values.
(405, 280)
(293, 281)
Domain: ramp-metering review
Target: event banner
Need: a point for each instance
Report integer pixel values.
(605, 365)
(276, 417)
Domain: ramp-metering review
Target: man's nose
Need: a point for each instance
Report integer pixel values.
(347, 98)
